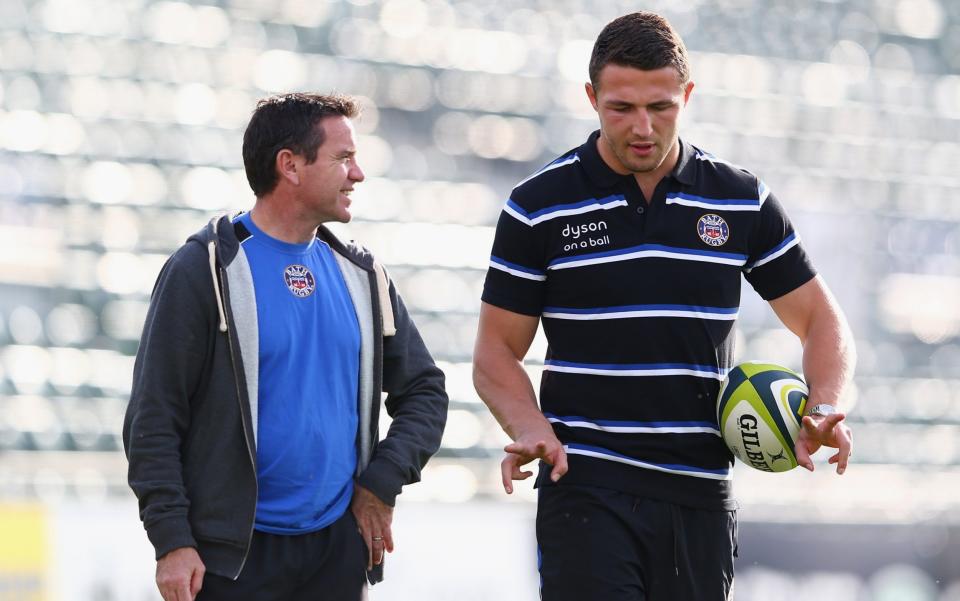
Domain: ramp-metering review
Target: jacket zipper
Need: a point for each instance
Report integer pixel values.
(246, 436)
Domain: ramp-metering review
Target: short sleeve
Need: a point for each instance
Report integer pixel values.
(517, 275)
(776, 263)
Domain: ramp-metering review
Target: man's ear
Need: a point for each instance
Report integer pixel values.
(287, 166)
(686, 92)
(591, 94)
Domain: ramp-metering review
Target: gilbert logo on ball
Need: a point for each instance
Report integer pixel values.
(759, 410)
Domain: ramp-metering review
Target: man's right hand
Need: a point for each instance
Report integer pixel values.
(525, 449)
(180, 574)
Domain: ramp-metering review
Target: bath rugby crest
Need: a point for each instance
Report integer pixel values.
(299, 280)
(713, 229)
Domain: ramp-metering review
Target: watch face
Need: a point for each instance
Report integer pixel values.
(823, 410)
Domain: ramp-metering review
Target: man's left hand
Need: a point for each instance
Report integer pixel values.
(828, 431)
(374, 517)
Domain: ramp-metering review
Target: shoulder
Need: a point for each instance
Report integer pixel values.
(542, 188)
(352, 250)
(720, 177)
(185, 282)
(190, 258)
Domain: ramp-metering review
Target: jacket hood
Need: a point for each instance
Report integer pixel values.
(227, 236)
(222, 237)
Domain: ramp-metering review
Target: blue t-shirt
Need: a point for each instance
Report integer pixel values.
(309, 374)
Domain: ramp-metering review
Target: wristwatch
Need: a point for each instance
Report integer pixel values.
(822, 410)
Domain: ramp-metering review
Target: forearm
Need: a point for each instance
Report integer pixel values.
(414, 436)
(828, 361)
(417, 403)
(153, 433)
(152, 440)
(418, 411)
(829, 356)
(505, 387)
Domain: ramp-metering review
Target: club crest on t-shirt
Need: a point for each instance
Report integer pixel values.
(299, 280)
(713, 229)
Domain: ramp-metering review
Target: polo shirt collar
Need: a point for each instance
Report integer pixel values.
(685, 171)
(602, 175)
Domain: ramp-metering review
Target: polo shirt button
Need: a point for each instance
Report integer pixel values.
(640, 210)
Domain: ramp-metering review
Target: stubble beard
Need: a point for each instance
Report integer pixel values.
(632, 163)
(640, 165)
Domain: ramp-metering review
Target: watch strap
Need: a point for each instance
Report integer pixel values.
(822, 410)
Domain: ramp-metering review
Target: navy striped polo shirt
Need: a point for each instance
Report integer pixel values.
(638, 302)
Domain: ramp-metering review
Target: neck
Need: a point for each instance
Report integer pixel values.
(280, 219)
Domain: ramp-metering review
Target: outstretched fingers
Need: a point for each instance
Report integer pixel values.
(520, 453)
(844, 439)
(558, 459)
(527, 452)
(510, 471)
(802, 454)
(828, 431)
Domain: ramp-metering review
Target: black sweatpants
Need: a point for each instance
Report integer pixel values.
(327, 565)
(604, 545)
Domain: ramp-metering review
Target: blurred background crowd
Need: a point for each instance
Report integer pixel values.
(120, 132)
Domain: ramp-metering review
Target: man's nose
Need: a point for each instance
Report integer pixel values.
(642, 124)
(356, 173)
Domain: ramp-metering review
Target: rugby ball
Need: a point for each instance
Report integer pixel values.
(759, 411)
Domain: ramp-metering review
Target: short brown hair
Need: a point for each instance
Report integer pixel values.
(290, 121)
(642, 40)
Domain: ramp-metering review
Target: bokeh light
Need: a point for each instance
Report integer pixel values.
(71, 324)
(277, 70)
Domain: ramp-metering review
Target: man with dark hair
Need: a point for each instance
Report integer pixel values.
(252, 429)
(287, 121)
(631, 249)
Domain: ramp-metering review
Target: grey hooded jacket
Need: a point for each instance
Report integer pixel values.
(190, 430)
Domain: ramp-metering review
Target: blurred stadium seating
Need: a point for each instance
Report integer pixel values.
(120, 130)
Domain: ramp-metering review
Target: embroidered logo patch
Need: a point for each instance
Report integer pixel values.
(713, 229)
(299, 280)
